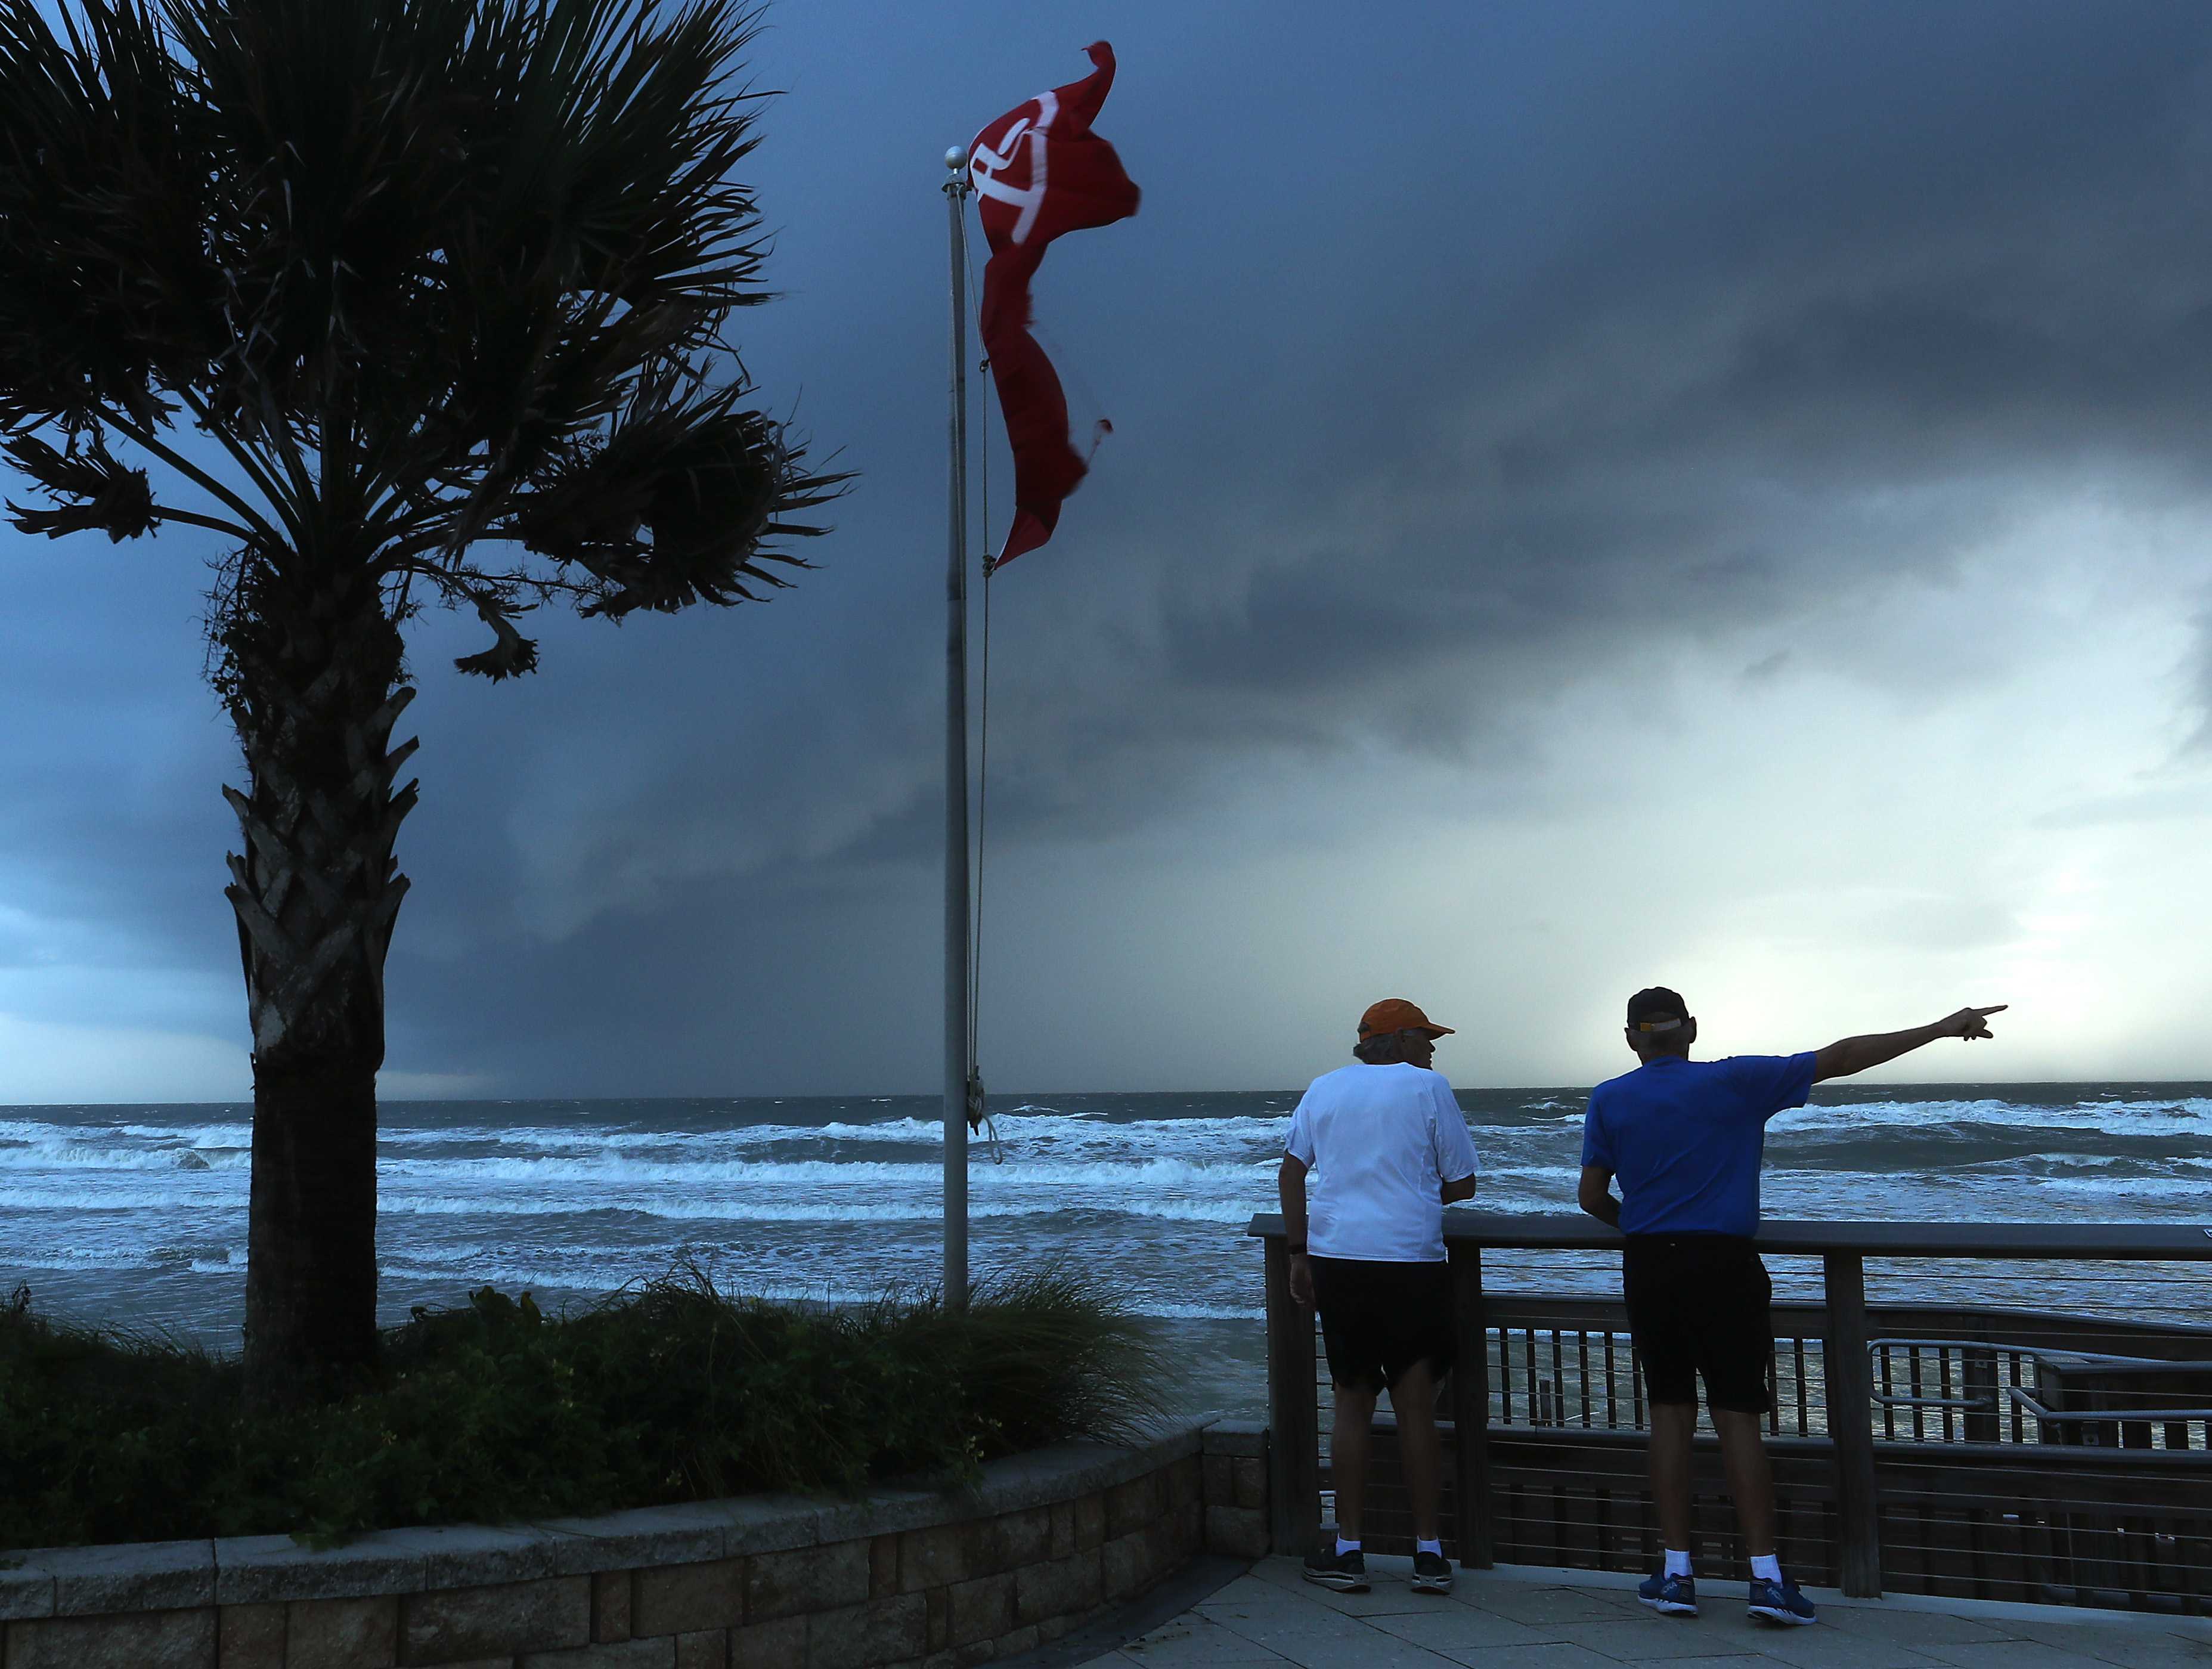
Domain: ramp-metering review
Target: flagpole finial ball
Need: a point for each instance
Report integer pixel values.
(956, 157)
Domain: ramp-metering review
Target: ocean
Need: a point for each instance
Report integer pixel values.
(135, 1216)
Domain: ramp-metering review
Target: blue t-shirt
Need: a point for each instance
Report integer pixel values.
(1685, 1138)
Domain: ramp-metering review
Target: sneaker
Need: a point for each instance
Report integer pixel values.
(1433, 1573)
(1780, 1602)
(1344, 1572)
(1670, 1596)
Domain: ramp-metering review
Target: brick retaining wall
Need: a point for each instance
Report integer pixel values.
(933, 1580)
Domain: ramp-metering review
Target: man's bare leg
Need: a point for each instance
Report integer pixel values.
(1348, 1446)
(1751, 1479)
(1413, 1400)
(1673, 1425)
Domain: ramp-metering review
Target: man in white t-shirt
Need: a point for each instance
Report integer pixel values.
(1388, 1149)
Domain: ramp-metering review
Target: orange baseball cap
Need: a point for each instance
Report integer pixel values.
(1395, 1014)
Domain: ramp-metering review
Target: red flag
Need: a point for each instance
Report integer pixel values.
(1039, 171)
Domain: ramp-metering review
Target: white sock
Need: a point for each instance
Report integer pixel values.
(1343, 1546)
(1435, 1547)
(1677, 1564)
(1765, 1567)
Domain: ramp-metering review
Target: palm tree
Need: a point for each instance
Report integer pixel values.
(442, 286)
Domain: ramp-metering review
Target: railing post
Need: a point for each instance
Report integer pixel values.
(1849, 1387)
(1985, 1421)
(2050, 1391)
(1470, 1406)
(1294, 1426)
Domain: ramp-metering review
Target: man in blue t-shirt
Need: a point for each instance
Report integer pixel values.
(1685, 1138)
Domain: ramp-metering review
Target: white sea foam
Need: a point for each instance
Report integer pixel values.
(621, 1170)
(2132, 1188)
(741, 1210)
(63, 1153)
(513, 1276)
(193, 1192)
(192, 1135)
(88, 1257)
(26, 1142)
(2111, 1118)
(1201, 1311)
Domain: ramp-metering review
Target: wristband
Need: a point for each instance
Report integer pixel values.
(1297, 1248)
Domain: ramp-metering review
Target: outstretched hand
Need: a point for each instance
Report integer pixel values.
(1971, 1023)
(1847, 1055)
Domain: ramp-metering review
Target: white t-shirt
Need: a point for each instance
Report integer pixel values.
(1381, 1142)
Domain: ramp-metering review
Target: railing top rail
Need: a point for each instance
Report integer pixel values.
(1561, 1232)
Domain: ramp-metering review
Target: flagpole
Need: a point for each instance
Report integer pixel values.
(956, 1063)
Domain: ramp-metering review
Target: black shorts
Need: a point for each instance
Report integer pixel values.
(1699, 1304)
(1379, 1320)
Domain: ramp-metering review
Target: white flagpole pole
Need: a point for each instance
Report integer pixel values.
(957, 1063)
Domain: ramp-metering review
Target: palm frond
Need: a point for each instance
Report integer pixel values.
(432, 271)
(91, 487)
(673, 505)
(108, 292)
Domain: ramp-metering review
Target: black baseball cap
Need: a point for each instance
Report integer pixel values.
(1656, 1009)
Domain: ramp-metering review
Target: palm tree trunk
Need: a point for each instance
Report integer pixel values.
(312, 675)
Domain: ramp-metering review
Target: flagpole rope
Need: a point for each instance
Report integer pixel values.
(984, 726)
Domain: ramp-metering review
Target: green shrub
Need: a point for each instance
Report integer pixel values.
(672, 1391)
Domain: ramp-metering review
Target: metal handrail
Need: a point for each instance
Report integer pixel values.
(1889, 1400)
(2020, 1395)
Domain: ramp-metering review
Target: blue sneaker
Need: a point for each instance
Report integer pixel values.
(1780, 1602)
(1671, 1596)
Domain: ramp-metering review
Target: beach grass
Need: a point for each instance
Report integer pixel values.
(496, 1410)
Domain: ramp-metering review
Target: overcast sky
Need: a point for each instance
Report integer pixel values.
(1600, 495)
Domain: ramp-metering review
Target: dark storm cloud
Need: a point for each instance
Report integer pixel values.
(1795, 350)
(111, 828)
(1821, 382)
(1450, 362)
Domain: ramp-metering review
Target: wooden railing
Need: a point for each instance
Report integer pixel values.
(1940, 1445)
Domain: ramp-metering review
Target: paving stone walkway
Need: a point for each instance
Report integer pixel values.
(1584, 1620)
